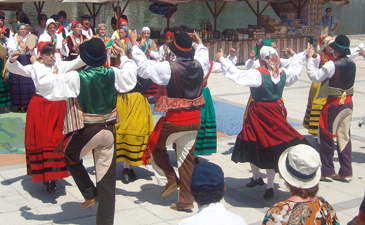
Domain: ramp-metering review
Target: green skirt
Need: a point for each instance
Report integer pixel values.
(4, 88)
(206, 141)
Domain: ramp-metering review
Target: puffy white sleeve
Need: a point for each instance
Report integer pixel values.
(233, 59)
(248, 78)
(158, 72)
(294, 69)
(202, 56)
(355, 51)
(252, 64)
(56, 87)
(217, 68)
(17, 68)
(67, 66)
(319, 75)
(155, 55)
(125, 75)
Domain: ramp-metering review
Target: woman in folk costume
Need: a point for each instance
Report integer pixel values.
(21, 88)
(164, 53)
(147, 45)
(123, 42)
(265, 133)
(315, 105)
(101, 34)
(123, 22)
(56, 39)
(74, 40)
(44, 122)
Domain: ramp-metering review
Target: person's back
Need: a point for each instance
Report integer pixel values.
(213, 214)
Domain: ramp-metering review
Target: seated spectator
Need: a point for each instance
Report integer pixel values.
(208, 189)
(300, 167)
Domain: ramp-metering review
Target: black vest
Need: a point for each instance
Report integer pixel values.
(344, 77)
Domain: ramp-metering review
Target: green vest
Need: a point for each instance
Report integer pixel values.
(268, 91)
(97, 91)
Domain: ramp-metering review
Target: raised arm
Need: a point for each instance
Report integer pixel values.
(294, 69)
(319, 75)
(125, 75)
(15, 67)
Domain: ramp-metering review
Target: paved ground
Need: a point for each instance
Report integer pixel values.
(25, 202)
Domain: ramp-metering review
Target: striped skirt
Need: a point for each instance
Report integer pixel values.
(314, 108)
(43, 131)
(134, 128)
(206, 141)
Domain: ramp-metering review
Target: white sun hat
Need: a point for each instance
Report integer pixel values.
(300, 166)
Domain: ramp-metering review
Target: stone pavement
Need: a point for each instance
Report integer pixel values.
(25, 202)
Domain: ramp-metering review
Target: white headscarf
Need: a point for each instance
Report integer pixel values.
(271, 57)
(145, 28)
(49, 21)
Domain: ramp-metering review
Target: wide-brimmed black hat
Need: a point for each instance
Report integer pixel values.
(55, 17)
(86, 16)
(182, 46)
(93, 53)
(341, 45)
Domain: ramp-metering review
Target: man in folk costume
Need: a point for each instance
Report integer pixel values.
(56, 39)
(338, 78)
(87, 29)
(180, 96)
(95, 90)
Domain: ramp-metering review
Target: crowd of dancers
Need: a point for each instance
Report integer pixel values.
(84, 91)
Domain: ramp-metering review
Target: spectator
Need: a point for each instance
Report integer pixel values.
(208, 189)
(41, 26)
(328, 20)
(64, 21)
(300, 167)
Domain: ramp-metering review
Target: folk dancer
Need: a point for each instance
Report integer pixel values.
(180, 96)
(95, 126)
(338, 78)
(44, 121)
(259, 143)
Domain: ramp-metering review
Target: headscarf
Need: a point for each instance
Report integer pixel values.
(271, 57)
(323, 42)
(259, 44)
(121, 20)
(168, 34)
(125, 29)
(145, 29)
(74, 22)
(20, 24)
(50, 21)
(41, 45)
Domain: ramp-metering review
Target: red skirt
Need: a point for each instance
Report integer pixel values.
(265, 135)
(43, 131)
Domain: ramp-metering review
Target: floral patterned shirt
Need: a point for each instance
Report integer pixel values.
(318, 211)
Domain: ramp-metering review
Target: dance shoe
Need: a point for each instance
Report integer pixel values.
(254, 183)
(180, 206)
(269, 193)
(132, 175)
(125, 176)
(52, 187)
(169, 188)
(339, 177)
(89, 202)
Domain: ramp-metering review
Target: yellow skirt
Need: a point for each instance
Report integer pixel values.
(314, 108)
(134, 127)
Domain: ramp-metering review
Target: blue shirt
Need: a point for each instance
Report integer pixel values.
(327, 22)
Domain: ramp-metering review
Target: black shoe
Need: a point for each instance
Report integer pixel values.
(125, 176)
(132, 175)
(269, 193)
(196, 160)
(47, 185)
(53, 187)
(253, 182)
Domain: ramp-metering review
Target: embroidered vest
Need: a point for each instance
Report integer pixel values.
(184, 90)
(96, 102)
(268, 91)
(342, 82)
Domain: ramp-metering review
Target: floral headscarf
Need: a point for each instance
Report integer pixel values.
(271, 57)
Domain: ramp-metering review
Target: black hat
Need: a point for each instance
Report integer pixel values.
(86, 16)
(207, 177)
(2, 17)
(341, 45)
(93, 53)
(182, 46)
(56, 17)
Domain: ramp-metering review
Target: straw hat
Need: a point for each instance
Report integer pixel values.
(300, 166)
